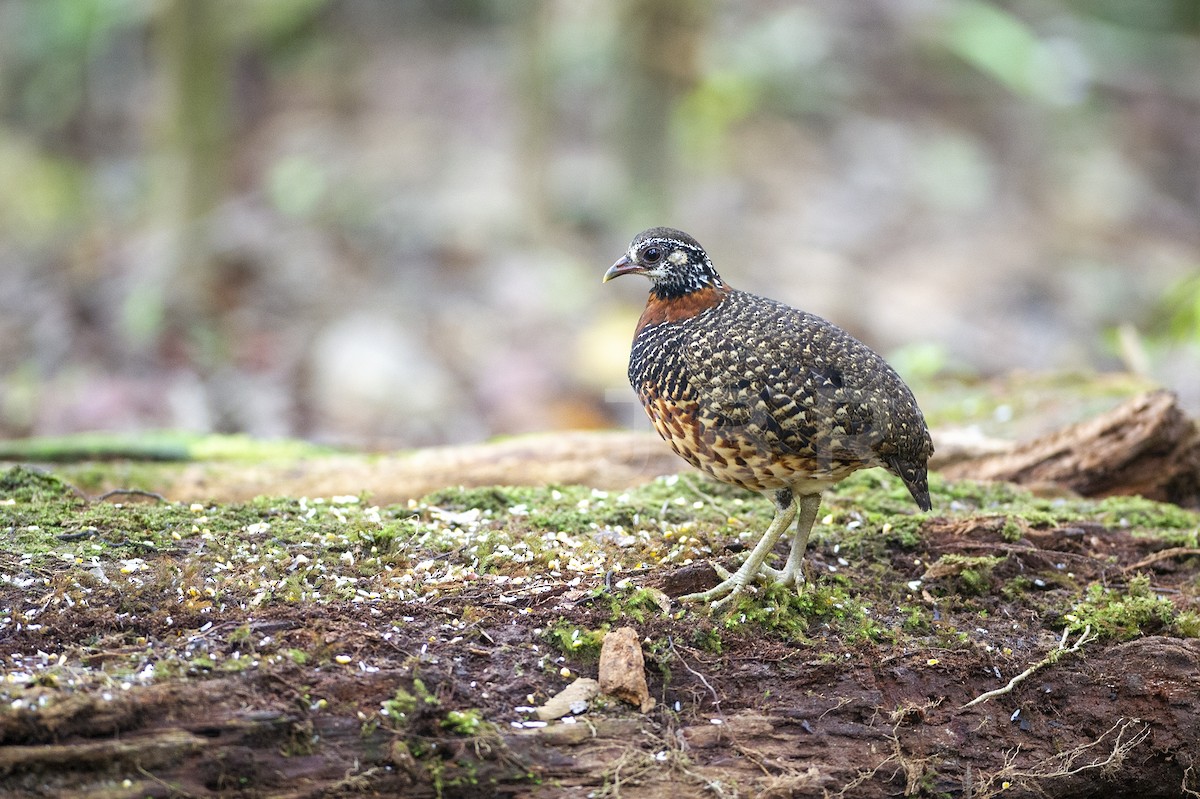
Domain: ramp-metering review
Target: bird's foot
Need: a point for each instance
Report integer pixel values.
(724, 592)
(728, 589)
(733, 584)
(787, 577)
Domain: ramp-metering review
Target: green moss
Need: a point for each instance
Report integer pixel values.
(630, 602)
(793, 614)
(1145, 513)
(1016, 588)
(903, 532)
(23, 484)
(1187, 624)
(576, 641)
(240, 635)
(972, 581)
(917, 619)
(875, 491)
(463, 722)
(154, 557)
(156, 445)
(969, 574)
(1122, 614)
(234, 665)
(981, 495)
(406, 704)
(497, 499)
(707, 638)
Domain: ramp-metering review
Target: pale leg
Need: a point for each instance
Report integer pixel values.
(793, 570)
(727, 589)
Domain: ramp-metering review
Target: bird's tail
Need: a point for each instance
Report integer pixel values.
(916, 479)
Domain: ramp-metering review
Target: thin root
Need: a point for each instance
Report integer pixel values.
(1085, 637)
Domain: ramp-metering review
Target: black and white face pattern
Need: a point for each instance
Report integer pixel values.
(675, 262)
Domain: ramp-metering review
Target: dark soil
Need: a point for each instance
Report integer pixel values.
(288, 701)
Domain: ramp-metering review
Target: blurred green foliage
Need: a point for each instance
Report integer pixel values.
(1178, 316)
(61, 56)
(998, 44)
(57, 52)
(188, 181)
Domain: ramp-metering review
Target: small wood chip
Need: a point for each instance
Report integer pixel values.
(570, 701)
(623, 669)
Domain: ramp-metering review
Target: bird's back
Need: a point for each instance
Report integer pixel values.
(766, 396)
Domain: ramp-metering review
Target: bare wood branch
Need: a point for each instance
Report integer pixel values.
(1165, 554)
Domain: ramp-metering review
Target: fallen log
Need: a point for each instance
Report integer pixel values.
(606, 460)
(1147, 445)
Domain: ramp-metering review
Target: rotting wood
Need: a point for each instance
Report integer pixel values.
(607, 460)
(1147, 445)
(147, 751)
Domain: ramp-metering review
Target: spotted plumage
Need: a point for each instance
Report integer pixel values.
(762, 395)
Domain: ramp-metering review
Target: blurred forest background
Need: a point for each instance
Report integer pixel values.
(382, 223)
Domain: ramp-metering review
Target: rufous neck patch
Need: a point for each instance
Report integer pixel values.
(675, 309)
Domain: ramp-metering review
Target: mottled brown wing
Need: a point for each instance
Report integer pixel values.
(802, 386)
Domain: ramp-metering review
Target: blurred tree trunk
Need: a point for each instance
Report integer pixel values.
(191, 171)
(535, 85)
(662, 43)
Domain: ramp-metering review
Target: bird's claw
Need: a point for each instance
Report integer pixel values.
(720, 594)
(788, 578)
(733, 584)
(725, 591)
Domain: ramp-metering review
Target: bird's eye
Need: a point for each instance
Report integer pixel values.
(651, 255)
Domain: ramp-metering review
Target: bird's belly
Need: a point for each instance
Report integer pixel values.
(738, 455)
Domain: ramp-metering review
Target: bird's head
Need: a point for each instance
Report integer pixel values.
(675, 263)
